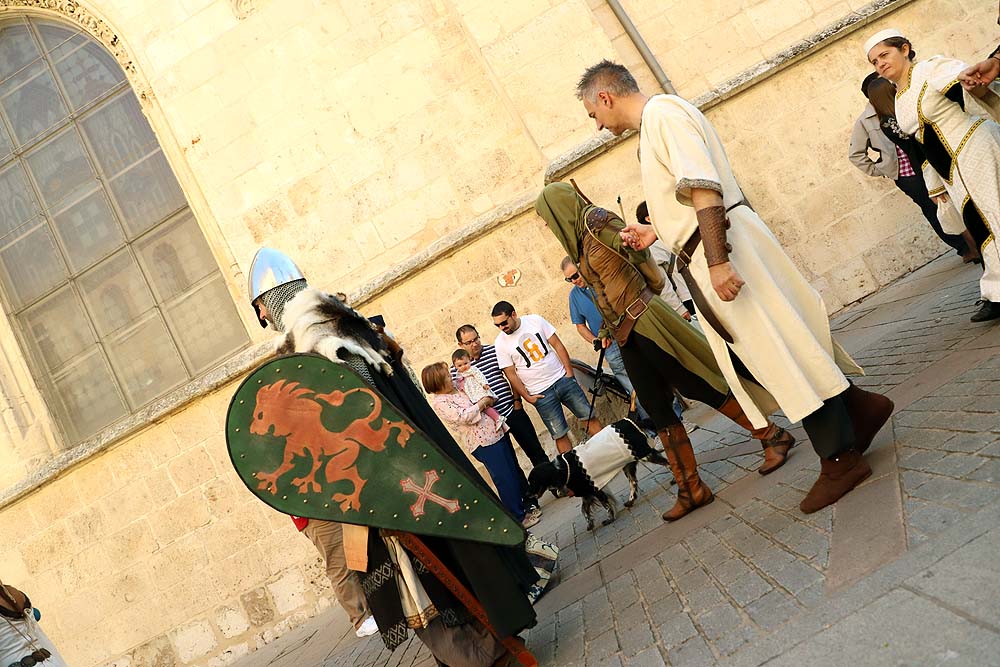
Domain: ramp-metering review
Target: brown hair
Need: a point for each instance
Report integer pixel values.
(460, 354)
(606, 75)
(464, 329)
(898, 42)
(436, 378)
(882, 95)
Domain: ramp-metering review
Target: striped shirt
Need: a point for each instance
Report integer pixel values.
(487, 363)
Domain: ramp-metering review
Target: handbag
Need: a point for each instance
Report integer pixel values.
(949, 217)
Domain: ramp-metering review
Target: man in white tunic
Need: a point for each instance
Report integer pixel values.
(759, 313)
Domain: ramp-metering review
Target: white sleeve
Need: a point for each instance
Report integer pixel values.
(547, 329)
(503, 355)
(682, 146)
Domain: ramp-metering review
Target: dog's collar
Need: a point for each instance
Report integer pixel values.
(565, 464)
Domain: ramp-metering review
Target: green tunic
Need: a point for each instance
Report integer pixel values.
(565, 213)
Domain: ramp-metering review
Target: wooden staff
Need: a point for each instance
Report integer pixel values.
(513, 645)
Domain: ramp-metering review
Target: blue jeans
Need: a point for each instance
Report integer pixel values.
(501, 463)
(566, 391)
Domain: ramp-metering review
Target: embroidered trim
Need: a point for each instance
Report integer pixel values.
(909, 80)
(394, 635)
(949, 86)
(936, 191)
(702, 183)
(377, 578)
(950, 178)
(423, 619)
(633, 438)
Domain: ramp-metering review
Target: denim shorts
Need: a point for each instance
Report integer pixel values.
(565, 391)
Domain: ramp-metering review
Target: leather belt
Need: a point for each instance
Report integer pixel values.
(633, 312)
(700, 302)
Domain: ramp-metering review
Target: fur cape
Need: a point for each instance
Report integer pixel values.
(321, 323)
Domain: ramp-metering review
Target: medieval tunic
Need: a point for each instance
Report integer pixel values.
(962, 151)
(611, 267)
(778, 321)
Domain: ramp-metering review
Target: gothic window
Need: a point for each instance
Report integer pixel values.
(104, 272)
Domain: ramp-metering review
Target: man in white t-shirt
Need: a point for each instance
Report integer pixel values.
(538, 368)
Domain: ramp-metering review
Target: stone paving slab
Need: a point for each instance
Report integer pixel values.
(870, 623)
(747, 576)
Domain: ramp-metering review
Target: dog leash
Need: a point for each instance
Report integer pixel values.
(597, 376)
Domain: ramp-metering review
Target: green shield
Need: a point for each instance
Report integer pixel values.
(311, 438)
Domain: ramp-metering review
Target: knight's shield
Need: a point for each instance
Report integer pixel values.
(311, 438)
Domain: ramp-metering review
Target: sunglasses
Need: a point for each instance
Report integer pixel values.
(501, 325)
(572, 277)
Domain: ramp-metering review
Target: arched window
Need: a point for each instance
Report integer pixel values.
(104, 272)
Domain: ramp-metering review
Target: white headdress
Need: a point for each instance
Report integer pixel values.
(881, 36)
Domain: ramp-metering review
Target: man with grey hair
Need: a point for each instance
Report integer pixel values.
(776, 330)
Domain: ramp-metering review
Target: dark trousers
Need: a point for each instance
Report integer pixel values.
(915, 188)
(523, 431)
(829, 428)
(655, 374)
(501, 464)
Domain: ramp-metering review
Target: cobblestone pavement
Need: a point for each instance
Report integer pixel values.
(728, 581)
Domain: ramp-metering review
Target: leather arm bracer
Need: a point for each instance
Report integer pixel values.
(713, 224)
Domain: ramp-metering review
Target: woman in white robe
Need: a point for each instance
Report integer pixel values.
(962, 147)
(778, 322)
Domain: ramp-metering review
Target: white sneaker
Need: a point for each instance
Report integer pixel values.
(531, 518)
(368, 628)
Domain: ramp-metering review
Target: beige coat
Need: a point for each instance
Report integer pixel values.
(778, 321)
(867, 134)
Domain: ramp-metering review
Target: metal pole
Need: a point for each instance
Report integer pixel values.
(643, 48)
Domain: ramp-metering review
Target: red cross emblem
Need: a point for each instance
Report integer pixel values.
(424, 494)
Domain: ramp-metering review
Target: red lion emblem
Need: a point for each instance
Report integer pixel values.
(287, 410)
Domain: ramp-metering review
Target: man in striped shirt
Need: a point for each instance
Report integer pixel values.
(484, 357)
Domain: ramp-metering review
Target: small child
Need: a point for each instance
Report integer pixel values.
(472, 383)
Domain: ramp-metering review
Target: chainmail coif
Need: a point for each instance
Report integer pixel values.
(275, 299)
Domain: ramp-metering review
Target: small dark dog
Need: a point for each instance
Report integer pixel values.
(585, 470)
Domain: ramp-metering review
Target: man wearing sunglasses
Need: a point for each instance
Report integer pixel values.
(538, 368)
(584, 314)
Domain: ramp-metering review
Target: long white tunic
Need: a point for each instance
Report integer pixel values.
(778, 321)
(967, 147)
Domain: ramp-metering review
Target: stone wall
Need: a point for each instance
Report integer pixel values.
(354, 135)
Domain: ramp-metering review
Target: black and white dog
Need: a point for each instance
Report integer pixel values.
(585, 470)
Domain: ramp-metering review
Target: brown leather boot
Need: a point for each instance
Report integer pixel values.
(692, 493)
(837, 476)
(774, 440)
(869, 412)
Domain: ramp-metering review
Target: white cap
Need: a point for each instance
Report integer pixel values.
(881, 36)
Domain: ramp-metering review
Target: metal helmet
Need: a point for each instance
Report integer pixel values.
(272, 269)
